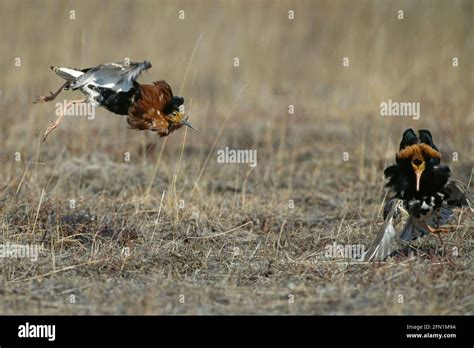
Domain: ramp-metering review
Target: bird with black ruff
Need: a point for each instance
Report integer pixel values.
(422, 192)
(113, 86)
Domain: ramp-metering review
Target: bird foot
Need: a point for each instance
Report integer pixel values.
(51, 96)
(45, 98)
(438, 230)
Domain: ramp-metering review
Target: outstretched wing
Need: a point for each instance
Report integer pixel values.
(118, 77)
(385, 241)
(459, 195)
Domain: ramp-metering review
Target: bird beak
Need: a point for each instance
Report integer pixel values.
(418, 177)
(187, 123)
(418, 169)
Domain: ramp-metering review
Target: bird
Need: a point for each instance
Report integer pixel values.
(423, 195)
(114, 86)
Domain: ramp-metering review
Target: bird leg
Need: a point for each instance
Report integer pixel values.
(61, 115)
(51, 96)
(437, 230)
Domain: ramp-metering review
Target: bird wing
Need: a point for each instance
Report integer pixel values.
(419, 226)
(459, 195)
(384, 243)
(118, 77)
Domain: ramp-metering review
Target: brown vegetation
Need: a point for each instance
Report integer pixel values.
(223, 235)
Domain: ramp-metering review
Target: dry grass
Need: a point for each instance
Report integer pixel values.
(235, 247)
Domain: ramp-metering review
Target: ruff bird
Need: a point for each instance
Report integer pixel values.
(114, 86)
(423, 195)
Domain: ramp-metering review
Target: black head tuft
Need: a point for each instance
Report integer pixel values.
(146, 64)
(426, 138)
(178, 100)
(173, 105)
(409, 138)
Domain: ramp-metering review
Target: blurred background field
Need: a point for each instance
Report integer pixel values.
(171, 249)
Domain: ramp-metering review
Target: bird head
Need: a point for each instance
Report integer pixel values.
(157, 109)
(175, 115)
(418, 155)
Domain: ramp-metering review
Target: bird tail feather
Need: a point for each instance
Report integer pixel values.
(385, 241)
(67, 73)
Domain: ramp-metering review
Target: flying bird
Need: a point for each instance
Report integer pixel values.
(423, 195)
(114, 87)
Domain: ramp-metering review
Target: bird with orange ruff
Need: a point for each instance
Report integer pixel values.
(423, 194)
(113, 86)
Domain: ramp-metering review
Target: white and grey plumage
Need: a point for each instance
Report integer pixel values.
(93, 82)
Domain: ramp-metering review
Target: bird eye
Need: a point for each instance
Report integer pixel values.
(417, 162)
(175, 113)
